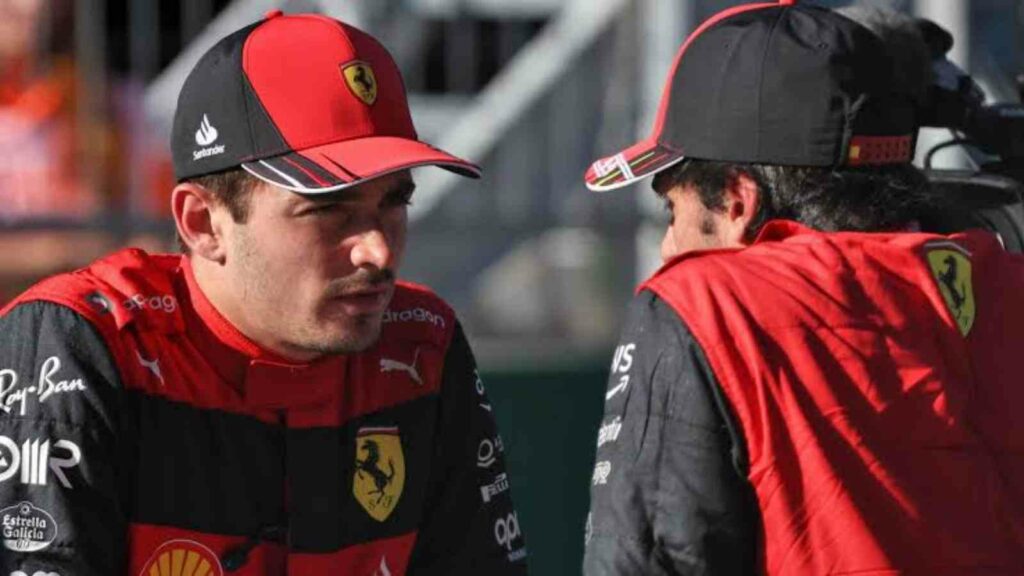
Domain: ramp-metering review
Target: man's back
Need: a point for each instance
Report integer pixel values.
(873, 379)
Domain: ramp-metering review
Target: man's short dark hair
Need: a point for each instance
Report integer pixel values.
(861, 199)
(231, 189)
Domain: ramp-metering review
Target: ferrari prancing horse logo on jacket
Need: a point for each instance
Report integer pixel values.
(380, 471)
(951, 267)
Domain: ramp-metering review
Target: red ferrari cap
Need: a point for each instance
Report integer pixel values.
(302, 101)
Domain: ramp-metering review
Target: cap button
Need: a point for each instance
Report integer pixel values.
(273, 14)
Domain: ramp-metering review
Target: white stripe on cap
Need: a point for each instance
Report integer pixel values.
(620, 160)
(298, 187)
(290, 180)
(632, 178)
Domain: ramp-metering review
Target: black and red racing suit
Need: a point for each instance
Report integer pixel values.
(140, 433)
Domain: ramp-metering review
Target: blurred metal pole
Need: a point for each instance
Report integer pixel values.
(44, 41)
(144, 51)
(665, 25)
(512, 35)
(507, 98)
(954, 16)
(1019, 40)
(91, 93)
(195, 15)
(460, 54)
(144, 38)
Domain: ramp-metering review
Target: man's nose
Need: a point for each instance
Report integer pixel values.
(372, 248)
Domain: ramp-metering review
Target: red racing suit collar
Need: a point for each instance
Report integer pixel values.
(263, 378)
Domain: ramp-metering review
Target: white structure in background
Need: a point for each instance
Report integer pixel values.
(954, 16)
(668, 22)
(535, 69)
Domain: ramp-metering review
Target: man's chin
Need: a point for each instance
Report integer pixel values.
(352, 338)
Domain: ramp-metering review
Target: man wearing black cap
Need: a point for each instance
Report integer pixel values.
(273, 402)
(808, 385)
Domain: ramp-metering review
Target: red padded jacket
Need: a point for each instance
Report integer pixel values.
(876, 380)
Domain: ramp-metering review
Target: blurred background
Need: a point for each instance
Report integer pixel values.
(539, 269)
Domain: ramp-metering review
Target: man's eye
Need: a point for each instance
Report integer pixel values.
(399, 200)
(404, 199)
(324, 208)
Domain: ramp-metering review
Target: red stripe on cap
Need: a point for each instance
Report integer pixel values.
(312, 176)
(336, 170)
(650, 161)
(666, 96)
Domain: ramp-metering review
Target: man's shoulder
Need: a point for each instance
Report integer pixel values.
(787, 246)
(114, 291)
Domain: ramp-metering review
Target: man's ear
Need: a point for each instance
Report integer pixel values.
(197, 217)
(742, 204)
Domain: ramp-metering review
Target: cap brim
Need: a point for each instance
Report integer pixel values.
(340, 165)
(645, 158)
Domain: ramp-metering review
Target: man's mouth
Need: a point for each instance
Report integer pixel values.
(363, 301)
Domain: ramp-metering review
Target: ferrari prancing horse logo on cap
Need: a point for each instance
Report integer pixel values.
(361, 81)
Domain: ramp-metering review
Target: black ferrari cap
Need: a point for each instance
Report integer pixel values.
(773, 83)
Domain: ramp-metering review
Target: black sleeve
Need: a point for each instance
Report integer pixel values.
(470, 526)
(59, 511)
(669, 493)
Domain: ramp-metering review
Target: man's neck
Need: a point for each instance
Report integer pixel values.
(217, 305)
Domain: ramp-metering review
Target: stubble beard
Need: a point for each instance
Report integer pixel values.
(351, 340)
(314, 335)
(323, 335)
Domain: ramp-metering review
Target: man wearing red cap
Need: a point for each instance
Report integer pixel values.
(807, 386)
(274, 401)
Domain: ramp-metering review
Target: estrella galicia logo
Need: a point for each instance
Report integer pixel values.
(27, 528)
(206, 133)
(380, 471)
